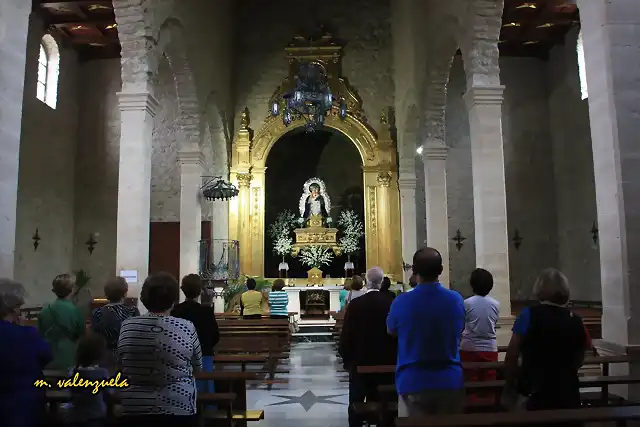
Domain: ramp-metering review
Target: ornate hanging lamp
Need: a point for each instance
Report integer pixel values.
(311, 99)
(217, 188)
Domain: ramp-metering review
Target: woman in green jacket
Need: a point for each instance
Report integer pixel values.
(61, 323)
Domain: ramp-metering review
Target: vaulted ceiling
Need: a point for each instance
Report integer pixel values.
(529, 28)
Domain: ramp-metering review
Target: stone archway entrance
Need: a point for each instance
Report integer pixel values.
(377, 151)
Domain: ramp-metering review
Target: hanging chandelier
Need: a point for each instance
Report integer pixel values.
(219, 189)
(311, 99)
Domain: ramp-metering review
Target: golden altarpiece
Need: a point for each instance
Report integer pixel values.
(377, 150)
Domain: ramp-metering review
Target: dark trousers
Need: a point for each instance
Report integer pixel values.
(278, 316)
(159, 421)
(364, 387)
(252, 316)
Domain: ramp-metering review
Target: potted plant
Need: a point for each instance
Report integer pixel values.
(280, 233)
(315, 257)
(352, 231)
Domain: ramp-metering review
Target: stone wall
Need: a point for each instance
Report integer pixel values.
(260, 59)
(578, 255)
(97, 167)
(528, 171)
(46, 176)
(165, 171)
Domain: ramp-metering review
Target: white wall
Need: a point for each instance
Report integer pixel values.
(46, 176)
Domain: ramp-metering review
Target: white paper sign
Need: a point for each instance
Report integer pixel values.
(131, 276)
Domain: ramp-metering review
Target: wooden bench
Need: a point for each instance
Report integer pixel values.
(381, 410)
(264, 341)
(619, 415)
(231, 393)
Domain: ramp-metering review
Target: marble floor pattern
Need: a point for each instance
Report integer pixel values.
(314, 395)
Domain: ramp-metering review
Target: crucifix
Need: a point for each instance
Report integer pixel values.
(459, 238)
(517, 239)
(594, 232)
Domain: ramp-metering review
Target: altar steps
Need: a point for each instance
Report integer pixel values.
(314, 331)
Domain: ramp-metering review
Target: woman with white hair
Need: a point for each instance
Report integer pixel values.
(552, 342)
(24, 354)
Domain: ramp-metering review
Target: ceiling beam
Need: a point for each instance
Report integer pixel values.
(88, 40)
(89, 23)
(75, 3)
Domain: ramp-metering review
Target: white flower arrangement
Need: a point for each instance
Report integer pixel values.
(315, 256)
(280, 233)
(352, 231)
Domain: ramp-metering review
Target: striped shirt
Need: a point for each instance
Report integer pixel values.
(278, 302)
(158, 355)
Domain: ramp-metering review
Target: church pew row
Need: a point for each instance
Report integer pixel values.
(386, 408)
(231, 395)
(387, 404)
(239, 338)
(619, 415)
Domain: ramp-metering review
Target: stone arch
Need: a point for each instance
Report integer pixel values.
(139, 58)
(435, 98)
(220, 138)
(357, 131)
(172, 44)
(478, 34)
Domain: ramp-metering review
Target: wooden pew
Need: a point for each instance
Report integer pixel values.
(231, 393)
(381, 410)
(620, 415)
(266, 338)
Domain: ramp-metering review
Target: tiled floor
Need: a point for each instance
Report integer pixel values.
(314, 395)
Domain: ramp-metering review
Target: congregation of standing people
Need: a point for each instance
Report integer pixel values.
(157, 352)
(428, 334)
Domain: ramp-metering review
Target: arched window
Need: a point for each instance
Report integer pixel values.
(48, 69)
(582, 68)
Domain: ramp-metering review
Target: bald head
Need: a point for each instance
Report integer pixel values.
(427, 265)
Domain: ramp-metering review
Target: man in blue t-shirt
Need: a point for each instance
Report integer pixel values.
(428, 323)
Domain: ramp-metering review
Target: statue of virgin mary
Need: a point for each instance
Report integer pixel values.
(314, 201)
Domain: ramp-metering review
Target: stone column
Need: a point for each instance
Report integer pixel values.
(244, 221)
(434, 157)
(612, 53)
(407, 185)
(134, 186)
(489, 194)
(14, 27)
(191, 163)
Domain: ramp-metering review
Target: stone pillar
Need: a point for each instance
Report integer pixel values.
(244, 221)
(612, 53)
(385, 245)
(191, 163)
(407, 185)
(434, 157)
(489, 194)
(134, 186)
(14, 27)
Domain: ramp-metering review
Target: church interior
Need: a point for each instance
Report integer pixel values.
(144, 136)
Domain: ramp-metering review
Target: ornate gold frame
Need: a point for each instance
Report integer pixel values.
(377, 151)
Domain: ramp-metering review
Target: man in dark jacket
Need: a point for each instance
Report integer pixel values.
(364, 341)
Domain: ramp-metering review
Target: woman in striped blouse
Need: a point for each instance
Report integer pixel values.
(159, 354)
(278, 301)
